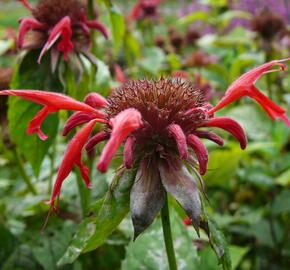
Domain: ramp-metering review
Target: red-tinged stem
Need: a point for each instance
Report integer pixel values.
(23, 173)
(165, 218)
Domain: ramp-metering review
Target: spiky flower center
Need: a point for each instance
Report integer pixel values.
(51, 12)
(161, 103)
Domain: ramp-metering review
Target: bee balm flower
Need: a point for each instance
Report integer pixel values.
(63, 23)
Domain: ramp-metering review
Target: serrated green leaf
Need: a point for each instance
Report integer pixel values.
(109, 213)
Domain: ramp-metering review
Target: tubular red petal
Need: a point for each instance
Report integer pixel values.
(210, 136)
(244, 86)
(84, 172)
(231, 126)
(72, 157)
(98, 26)
(35, 123)
(129, 152)
(95, 100)
(61, 29)
(136, 11)
(119, 74)
(26, 25)
(176, 132)
(273, 110)
(26, 4)
(201, 153)
(122, 125)
(99, 137)
(77, 119)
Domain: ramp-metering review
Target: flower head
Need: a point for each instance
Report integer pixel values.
(144, 9)
(161, 124)
(62, 23)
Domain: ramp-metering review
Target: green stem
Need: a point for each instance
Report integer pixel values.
(90, 9)
(52, 163)
(168, 236)
(23, 173)
(84, 193)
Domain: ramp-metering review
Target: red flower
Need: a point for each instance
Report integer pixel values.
(244, 86)
(144, 8)
(59, 21)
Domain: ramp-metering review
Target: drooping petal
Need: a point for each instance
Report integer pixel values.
(99, 137)
(201, 153)
(61, 30)
(35, 124)
(119, 74)
(27, 24)
(52, 102)
(122, 125)
(77, 119)
(177, 180)
(129, 152)
(146, 197)
(176, 132)
(98, 26)
(84, 172)
(231, 126)
(26, 4)
(244, 86)
(95, 100)
(71, 158)
(210, 136)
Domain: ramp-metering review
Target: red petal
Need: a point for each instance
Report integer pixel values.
(119, 74)
(181, 74)
(61, 29)
(136, 11)
(123, 124)
(26, 4)
(200, 151)
(98, 26)
(176, 132)
(99, 137)
(95, 100)
(244, 86)
(210, 136)
(84, 172)
(26, 25)
(72, 157)
(77, 119)
(231, 126)
(129, 152)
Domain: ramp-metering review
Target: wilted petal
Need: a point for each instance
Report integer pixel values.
(147, 196)
(200, 151)
(71, 158)
(99, 137)
(61, 30)
(27, 24)
(176, 132)
(123, 124)
(129, 152)
(95, 100)
(77, 119)
(210, 136)
(177, 180)
(244, 86)
(98, 26)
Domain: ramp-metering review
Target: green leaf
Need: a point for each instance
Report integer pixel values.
(153, 60)
(284, 178)
(148, 251)
(195, 16)
(237, 254)
(117, 26)
(20, 112)
(219, 244)
(282, 203)
(110, 211)
(7, 244)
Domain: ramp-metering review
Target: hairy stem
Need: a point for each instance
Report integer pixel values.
(23, 173)
(168, 236)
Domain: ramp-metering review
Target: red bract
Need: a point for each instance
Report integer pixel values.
(72, 157)
(59, 21)
(244, 86)
(52, 102)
